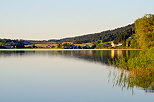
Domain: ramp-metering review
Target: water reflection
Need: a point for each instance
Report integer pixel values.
(143, 80)
(104, 56)
(122, 78)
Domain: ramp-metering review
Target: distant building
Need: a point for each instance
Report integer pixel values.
(114, 44)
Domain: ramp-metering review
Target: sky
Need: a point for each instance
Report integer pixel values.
(55, 19)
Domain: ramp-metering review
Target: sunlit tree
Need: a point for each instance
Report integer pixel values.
(145, 31)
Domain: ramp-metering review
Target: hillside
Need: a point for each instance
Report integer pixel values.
(119, 35)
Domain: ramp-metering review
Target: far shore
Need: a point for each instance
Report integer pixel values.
(61, 49)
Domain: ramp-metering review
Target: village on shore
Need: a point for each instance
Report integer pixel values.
(63, 45)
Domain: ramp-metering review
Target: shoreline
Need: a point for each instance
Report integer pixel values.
(62, 49)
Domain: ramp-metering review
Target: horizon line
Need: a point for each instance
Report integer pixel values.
(66, 37)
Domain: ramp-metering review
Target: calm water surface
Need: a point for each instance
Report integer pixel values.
(67, 76)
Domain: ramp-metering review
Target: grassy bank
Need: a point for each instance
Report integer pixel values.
(141, 71)
(145, 60)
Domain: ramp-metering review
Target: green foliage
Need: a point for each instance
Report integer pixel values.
(99, 46)
(103, 45)
(145, 39)
(141, 67)
(67, 46)
(132, 42)
(118, 35)
(145, 31)
(17, 43)
(59, 46)
(144, 60)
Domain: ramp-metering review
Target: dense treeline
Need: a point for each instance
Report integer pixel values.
(141, 67)
(145, 40)
(118, 35)
(9, 42)
(19, 43)
(145, 31)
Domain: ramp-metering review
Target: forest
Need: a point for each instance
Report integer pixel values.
(141, 67)
(118, 35)
(145, 40)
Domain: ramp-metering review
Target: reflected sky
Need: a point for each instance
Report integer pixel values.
(64, 76)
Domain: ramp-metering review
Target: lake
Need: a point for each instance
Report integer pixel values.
(69, 76)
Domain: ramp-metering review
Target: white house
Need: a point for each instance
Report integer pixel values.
(114, 44)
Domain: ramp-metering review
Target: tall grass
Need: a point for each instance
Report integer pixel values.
(141, 70)
(144, 60)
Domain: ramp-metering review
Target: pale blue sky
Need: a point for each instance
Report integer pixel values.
(46, 19)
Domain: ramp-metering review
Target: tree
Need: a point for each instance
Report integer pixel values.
(67, 46)
(145, 31)
(59, 46)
